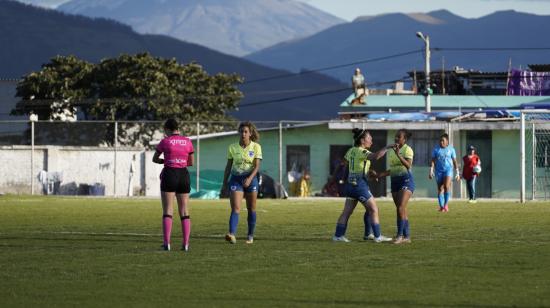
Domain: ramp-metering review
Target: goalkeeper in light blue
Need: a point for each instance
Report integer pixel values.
(442, 165)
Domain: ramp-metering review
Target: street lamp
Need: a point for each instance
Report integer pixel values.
(427, 91)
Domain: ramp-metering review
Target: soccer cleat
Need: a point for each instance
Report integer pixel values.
(401, 240)
(382, 238)
(369, 237)
(440, 209)
(185, 248)
(165, 247)
(446, 208)
(340, 239)
(474, 201)
(231, 238)
(250, 240)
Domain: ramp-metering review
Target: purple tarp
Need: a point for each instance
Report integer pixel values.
(526, 83)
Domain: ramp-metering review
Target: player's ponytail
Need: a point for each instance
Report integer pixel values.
(358, 134)
(254, 134)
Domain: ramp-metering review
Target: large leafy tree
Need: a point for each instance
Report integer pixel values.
(129, 88)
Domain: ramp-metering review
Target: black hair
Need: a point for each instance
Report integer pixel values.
(358, 134)
(171, 124)
(405, 133)
(445, 135)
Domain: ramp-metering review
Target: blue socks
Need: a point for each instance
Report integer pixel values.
(441, 200)
(251, 223)
(406, 233)
(233, 222)
(400, 227)
(368, 226)
(376, 229)
(340, 230)
(447, 197)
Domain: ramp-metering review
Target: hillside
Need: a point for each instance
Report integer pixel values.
(235, 27)
(30, 36)
(384, 35)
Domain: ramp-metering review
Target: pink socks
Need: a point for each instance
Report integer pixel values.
(166, 228)
(186, 229)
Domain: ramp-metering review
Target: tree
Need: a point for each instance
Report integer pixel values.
(129, 88)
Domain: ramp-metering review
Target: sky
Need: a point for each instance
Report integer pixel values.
(350, 9)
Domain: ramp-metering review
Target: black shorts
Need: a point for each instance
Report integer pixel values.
(175, 180)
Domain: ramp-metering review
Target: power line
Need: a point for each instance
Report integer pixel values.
(333, 67)
(336, 90)
(489, 48)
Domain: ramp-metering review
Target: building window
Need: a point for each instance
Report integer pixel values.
(423, 142)
(297, 158)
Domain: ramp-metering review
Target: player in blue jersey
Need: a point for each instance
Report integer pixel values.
(243, 163)
(402, 182)
(442, 165)
(357, 189)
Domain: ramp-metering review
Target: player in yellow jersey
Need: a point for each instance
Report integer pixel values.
(402, 182)
(357, 189)
(243, 163)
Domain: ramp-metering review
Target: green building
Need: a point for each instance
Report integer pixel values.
(317, 146)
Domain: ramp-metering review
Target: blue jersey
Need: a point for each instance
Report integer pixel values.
(443, 158)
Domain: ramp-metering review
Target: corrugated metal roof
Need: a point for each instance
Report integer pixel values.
(377, 102)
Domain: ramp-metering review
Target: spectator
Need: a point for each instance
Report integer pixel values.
(358, 83)
(470, 171)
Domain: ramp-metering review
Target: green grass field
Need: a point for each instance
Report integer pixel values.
(106, 252)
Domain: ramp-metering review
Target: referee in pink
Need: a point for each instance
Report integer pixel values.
(177, 151)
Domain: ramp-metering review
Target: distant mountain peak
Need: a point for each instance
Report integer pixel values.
(236, 27)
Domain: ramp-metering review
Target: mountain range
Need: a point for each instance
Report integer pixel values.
(236, 27)
(30, 36)
(382, 36)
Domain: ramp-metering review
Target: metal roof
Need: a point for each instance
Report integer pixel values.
(440, 102)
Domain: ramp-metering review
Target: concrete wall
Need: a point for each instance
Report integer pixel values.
(80, 167)
(506, 164)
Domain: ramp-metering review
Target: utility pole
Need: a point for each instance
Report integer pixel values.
(427, 97)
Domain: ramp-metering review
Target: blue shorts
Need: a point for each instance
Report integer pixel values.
(236, 183)
(404, 182)
(358, 191)
(441, 175)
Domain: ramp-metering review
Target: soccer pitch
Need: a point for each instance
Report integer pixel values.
(106, 252)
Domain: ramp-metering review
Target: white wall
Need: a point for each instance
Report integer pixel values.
(80, 166)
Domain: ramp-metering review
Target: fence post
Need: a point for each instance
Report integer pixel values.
(281, 152)
(533, 162)
(522, 157)
(32, 157)
(198, 168)
(114, 168)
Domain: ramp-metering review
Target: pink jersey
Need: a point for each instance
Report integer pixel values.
(176, 149)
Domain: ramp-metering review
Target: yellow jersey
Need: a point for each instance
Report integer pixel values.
(243, 158)
(396, 167)
(358, 162)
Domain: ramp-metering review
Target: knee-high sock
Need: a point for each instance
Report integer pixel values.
(233, 222)
(340, 230)
(447, 197)
(166, 228)
(376, 229)
(251, 222)
(441, 200)
(406, 232)
(400, 226)
(368, 225)
(185, 229)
